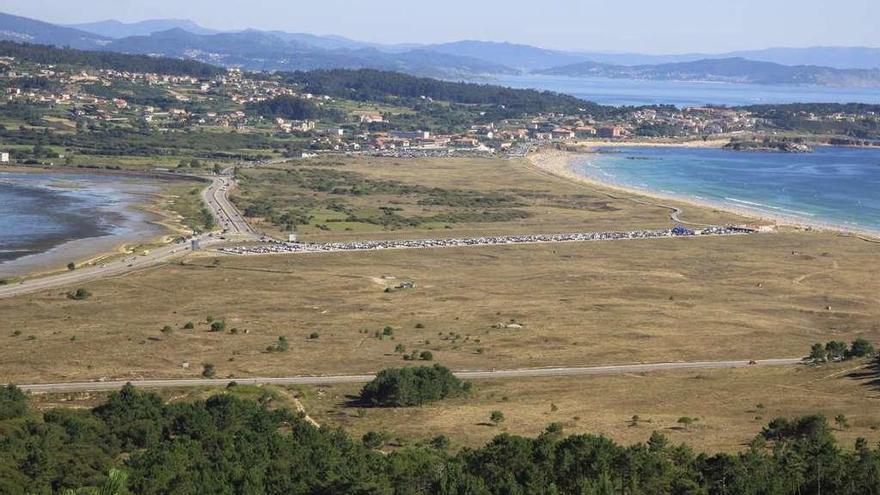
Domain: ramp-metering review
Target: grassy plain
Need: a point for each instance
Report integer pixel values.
(744, 297)
(400, 198)
(730, 406)
(593, 303)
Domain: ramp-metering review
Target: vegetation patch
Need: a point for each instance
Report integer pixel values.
(405, 387)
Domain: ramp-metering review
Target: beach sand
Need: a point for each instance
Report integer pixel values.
(561, 162)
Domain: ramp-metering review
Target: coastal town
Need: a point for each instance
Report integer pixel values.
(107, 99)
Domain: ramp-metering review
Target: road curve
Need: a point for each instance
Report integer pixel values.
(466, 374)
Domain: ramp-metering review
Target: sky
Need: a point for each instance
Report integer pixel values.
(645, 26)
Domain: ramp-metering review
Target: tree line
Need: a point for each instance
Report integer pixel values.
(44, 54)
(294, 108)
(233, 446)
(376, 85)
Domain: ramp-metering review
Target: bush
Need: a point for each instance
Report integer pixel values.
(440, 442)
(496, 417)
(426, 356)
(13, 402)
(281, 346)
(836, 350)
(374, 440)
(189, 325)
(314, 335)
(208, 370)
(167, 330)
(218, 326)
(79, 294)
(71, 266)
(404, 387)
(686, 421)
(860, 348)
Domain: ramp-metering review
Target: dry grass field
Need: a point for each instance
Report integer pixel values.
(730, 407)
(591, 303)
(572, 304)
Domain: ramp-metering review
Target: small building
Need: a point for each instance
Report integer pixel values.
(585, 131)
(4, 157)
(371, 117)
(561, 133)
(196, 245)
(612, 132)
(411, 135)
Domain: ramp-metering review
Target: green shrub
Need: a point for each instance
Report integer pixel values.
(208, 370)
(13, 402)
(404, 387)
(79, 294)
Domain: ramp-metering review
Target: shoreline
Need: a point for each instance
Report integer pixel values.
(560, 163)
(147, 223)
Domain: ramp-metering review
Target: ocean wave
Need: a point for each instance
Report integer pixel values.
(769, 207)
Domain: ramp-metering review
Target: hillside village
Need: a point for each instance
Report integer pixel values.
(76, 98)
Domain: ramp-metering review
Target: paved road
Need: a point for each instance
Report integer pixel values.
(216, 196)
(224, 212)
(468, 375)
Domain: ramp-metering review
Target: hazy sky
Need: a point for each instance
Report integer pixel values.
(648, 26)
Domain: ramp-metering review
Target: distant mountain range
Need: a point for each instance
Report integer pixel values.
(251, 49)
(24, 30)
(115, 29)
(277, 50)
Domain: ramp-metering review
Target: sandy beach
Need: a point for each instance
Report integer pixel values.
(560, 163)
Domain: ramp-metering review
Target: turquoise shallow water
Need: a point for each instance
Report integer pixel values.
(839, 186)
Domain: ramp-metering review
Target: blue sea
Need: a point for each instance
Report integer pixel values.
(42, 211)
(833, 185)
(621, 92)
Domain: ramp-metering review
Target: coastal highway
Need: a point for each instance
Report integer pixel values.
(216, 196)
(100, 386)
(225, 214)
